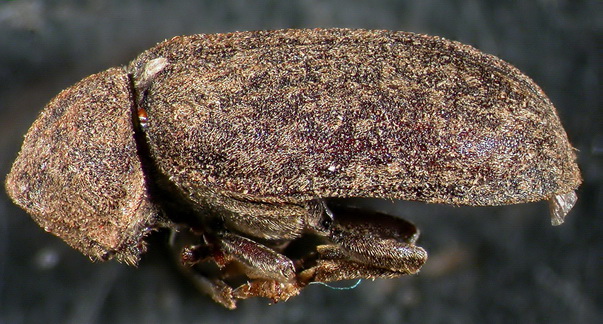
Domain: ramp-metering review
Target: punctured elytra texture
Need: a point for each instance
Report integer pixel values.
(294, 115)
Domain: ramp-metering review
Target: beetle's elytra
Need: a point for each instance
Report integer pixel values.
(245, 136)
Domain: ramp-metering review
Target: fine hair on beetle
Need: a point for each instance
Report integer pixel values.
(240, 143)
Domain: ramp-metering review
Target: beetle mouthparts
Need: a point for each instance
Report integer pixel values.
(560, 205)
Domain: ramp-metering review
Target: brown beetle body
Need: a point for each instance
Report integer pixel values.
(253, 130)
(298, 115)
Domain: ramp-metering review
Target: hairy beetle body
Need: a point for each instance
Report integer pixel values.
(243, 137)
(297, 115)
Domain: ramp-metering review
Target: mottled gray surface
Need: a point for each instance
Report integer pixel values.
(487, 265)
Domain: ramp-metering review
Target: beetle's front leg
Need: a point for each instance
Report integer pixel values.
(366, 245)
(255, 260)
(272, 275)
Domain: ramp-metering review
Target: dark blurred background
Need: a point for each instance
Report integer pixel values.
(487, 265)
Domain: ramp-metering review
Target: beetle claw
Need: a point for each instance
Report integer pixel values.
(271, 289)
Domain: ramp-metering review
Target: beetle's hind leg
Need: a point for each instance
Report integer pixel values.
(366, 244)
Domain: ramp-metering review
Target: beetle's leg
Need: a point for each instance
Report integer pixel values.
(255, 260)
(366, 245)
(209, 282)
(236, 255)
(272, 274)
(271, 289)
(217, 289)
(378, 239)
(335, 264)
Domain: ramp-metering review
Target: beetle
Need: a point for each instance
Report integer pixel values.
(239, 143)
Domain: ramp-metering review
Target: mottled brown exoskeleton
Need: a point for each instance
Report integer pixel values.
(238, 141)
